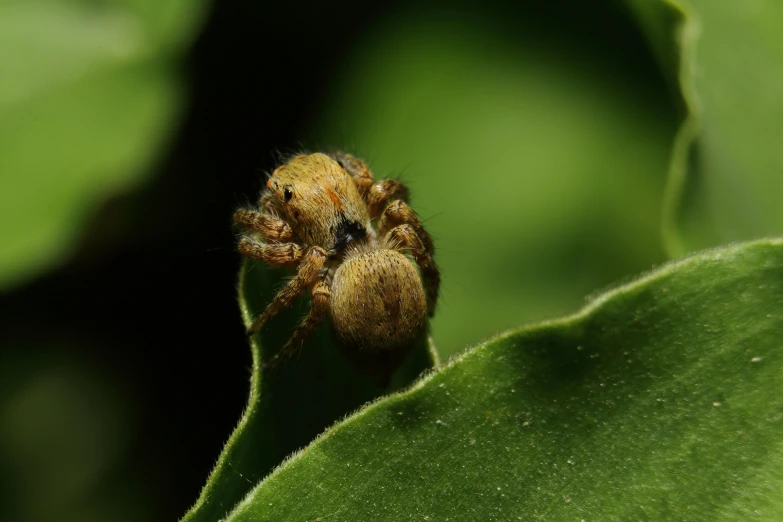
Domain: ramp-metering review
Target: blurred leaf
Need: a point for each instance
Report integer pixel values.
(727, 164)
(659, 22)
(662, 400)
(290, 405)
(66, 434)
(88, 97)
(539, 167)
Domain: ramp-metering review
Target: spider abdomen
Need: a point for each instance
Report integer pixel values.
(377, 304)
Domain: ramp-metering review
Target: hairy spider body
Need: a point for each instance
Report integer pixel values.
(377, 301)
(357, 246)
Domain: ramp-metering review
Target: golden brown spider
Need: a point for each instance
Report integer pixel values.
(318, 214)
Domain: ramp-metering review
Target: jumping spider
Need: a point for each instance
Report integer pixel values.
(354, 242)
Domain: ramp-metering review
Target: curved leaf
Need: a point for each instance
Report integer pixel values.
(88, 97)
(291, 404)
(726, 166)
(660, 400)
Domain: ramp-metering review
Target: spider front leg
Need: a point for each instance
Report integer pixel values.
(309, 271)
(405, 238)
(320, 295)
(272, 228)
(277, 254)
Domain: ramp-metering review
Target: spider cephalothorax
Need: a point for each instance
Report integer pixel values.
(357, 246)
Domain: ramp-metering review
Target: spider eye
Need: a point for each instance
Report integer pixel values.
(287, 194)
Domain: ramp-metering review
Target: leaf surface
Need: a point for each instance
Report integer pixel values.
(661, 400)
(294, 402)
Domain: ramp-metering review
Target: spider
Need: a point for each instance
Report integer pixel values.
(358, 247)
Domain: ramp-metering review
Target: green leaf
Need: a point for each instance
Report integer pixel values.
(661, 400)
(539, 178)
(89, 95)
(291, 404)
(726, 172)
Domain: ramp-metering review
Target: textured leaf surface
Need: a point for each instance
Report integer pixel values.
(660, 400)
(726, 173)
(291, 404)
(89, 93)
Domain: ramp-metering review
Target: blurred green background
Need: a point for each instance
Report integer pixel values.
(553, 148)
(538, 163)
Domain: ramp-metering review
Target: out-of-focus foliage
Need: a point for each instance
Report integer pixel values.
(65, 432)
(539, 168)
(89, 93)
(727, 165)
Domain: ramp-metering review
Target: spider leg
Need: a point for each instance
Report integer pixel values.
(382, 192)
(399, 213)
(307, 274)
(278, 254)
(271, 228)
(320, 304)
(405, 238)
(357, 169)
